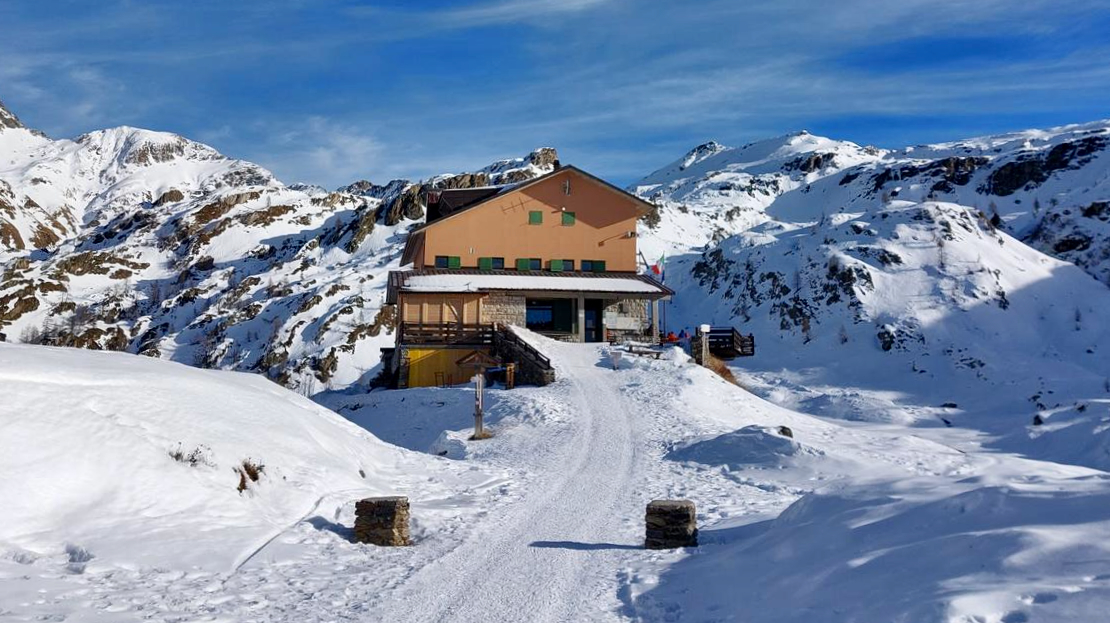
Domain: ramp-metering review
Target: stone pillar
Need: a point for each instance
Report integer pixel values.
(671, 524)
(382, 521)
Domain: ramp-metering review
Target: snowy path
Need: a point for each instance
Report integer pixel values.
(538, 559)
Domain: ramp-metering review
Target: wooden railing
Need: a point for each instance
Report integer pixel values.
(446, 333)
(526, 350)
(727, 343)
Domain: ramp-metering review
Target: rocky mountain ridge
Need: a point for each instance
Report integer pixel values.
(127, 239)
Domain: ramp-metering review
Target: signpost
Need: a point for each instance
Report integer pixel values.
(479, 383)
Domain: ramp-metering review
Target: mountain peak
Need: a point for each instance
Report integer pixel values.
(8, 118)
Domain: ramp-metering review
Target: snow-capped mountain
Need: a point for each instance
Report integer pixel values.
(930, 275)
(127, 239)
(1049, 188)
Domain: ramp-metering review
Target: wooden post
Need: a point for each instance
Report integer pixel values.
(704, 331)
(510, 375)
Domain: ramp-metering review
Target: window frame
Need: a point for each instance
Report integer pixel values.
(535, 217)
(569, 218)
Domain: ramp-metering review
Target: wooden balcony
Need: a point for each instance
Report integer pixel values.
(446, 333)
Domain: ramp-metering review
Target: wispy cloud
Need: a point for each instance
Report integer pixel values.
(328, 92)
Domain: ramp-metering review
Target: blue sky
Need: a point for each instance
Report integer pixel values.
(331, 91)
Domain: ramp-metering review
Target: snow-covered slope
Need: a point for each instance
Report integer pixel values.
(112, 460)
(127, 239)
(885, 284)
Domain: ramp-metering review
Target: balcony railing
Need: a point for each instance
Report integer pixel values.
(446, 333)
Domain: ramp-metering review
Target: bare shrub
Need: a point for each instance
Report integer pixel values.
(195, 457)
(722, 370)
(248, 470)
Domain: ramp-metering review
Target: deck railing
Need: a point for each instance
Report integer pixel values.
(446, 333)
(727, 342)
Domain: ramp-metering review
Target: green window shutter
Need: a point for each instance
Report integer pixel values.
(454, 262)
(568, 218)
(556, 265)
(522, 263)
(599, 266)
(485, 263)
(535, 217)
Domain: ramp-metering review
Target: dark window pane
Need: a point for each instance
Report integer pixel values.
(441, 261)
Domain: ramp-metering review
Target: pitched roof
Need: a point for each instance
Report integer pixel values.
(466, 202)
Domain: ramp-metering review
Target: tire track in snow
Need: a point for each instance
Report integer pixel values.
(551, 557)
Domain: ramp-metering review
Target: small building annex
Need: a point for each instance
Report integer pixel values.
(556, 254)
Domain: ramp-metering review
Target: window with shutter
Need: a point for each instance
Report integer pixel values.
(454, 261)
(556, 265)
(535, 217)
(485, 263)
(522, 263)
(599, 266)
(568, 219)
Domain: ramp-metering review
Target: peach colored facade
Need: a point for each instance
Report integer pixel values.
(604, 226)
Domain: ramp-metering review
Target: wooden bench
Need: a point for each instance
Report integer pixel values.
(645, 352)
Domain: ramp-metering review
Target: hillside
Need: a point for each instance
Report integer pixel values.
(113, 460)
(894, 523)
(921, 286)
(147, 242)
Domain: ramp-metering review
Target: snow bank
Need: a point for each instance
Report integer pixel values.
(917, 550)
(85, 449)
(751, 445)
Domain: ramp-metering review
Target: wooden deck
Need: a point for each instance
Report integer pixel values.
(728, 343)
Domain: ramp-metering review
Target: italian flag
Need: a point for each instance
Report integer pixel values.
(658, 267)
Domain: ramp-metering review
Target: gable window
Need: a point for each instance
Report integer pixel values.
(448, 261)
(568, 219)
(535, 217)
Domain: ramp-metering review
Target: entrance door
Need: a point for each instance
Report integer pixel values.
(594, 316)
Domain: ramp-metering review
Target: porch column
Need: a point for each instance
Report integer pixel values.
(581, 318)
(655, 321)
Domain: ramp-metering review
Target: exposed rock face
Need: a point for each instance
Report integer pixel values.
(8, 119)
(1029, 171)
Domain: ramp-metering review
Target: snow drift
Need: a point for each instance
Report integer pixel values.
(88, 444)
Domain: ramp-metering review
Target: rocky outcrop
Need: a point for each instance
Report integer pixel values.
(1030, 171)
(8, 119)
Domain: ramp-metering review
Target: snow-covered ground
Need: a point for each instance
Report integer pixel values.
(845, 521)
